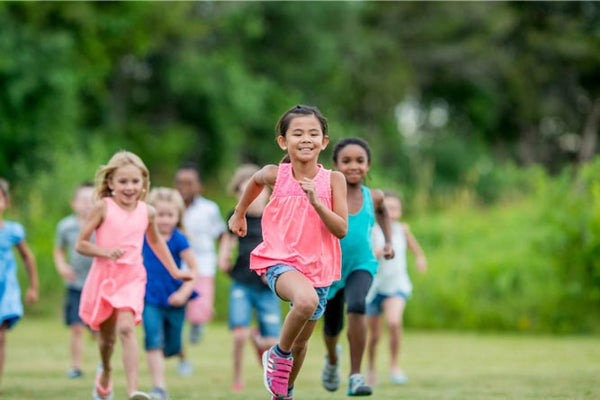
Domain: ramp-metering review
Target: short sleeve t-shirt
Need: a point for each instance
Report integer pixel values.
(204, 224)
(160, 284)
(67, 232)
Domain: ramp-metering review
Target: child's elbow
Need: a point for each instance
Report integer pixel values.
(341, 233)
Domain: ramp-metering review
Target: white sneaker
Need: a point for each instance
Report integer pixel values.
(330, 376)
(185, 368)
(358, 387)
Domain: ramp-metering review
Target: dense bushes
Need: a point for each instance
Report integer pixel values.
(527, 262)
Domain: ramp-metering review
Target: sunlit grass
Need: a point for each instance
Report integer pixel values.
(441, 365)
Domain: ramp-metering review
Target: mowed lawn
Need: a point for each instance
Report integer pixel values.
(441, 365)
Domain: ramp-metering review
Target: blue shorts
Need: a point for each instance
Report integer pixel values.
(375, 306)
(162, 328)
(71, 307)
(243, 298)
(275, 271)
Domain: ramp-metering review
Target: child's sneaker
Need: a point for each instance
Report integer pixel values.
(196, 333)
(276, 372)
(158, 393)
(399, 378)
(184, 368)
(357, 386)
(289, 396)
(74, 373)
(330, 376)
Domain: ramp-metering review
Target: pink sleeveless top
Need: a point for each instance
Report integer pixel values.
(293, 232)
(117, 284)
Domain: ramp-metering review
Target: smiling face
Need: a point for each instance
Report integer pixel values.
(353, 162)
(167, 217)
(126, 183)
(304, 138)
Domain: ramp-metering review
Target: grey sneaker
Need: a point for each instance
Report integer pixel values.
(74, 373)
(184, 368)
(330, 376)
(196, 332)
(158, 393)
(358, 387)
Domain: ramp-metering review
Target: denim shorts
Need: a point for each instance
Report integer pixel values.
(375, 306)
(243, 298)
(275, 271)
(71, 307)
(162, 328)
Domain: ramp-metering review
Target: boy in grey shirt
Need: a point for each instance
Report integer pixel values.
(73, 269)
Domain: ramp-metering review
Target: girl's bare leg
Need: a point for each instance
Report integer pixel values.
(129, 344)
(374, 326)
(357, 337)
(106, 345)
(295, 287)
(393, 308)
(240, 336)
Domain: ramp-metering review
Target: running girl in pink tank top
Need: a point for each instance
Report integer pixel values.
(300, 253)
(112, 299)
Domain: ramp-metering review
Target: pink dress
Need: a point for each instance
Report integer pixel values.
(117, 284)
(293, 232)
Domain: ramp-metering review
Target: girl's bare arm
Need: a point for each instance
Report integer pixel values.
(336, 220)
(414, 246)
(182, 295)
(159, 247)
(93, 221)
(383, 219)
(31, 267)
(266, 176)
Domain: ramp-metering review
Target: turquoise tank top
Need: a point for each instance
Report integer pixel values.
(357, 245)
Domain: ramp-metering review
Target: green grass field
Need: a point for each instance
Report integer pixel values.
(441, 365)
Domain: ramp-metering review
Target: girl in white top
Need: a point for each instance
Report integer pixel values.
(390, 289)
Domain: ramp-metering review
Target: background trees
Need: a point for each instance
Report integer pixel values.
(456, 99)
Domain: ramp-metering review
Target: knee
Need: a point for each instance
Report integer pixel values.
(125, 331)
(240, 334)
(356, 306)
(306, 304)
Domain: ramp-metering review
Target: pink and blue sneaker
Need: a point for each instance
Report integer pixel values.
(277, 370)
(289, 395)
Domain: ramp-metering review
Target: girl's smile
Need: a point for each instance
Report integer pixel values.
(353, 162)
(126, 183)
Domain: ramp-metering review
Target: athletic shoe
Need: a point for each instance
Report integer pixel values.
(289, 396)
(139, 396)
(196, 331)
(158, 393)
(74, 373)
(276, 372)
(330, 376)
(357, 386)
(184, 368)
(398, 378)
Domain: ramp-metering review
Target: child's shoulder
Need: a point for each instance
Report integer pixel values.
(13, 229)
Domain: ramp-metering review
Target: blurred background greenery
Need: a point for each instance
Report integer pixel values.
(485, 116)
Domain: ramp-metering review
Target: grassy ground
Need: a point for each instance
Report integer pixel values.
(440, 365)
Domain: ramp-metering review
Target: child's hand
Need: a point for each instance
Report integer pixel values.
(422, 263)
(182, 275)
(308, 186)
(177, 299)
(67, 274)
(388, 251)
(114, 254)
(237, 224)
(31, 296)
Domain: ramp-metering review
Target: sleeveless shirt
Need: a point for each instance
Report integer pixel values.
(293, 232)
(117, 284)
